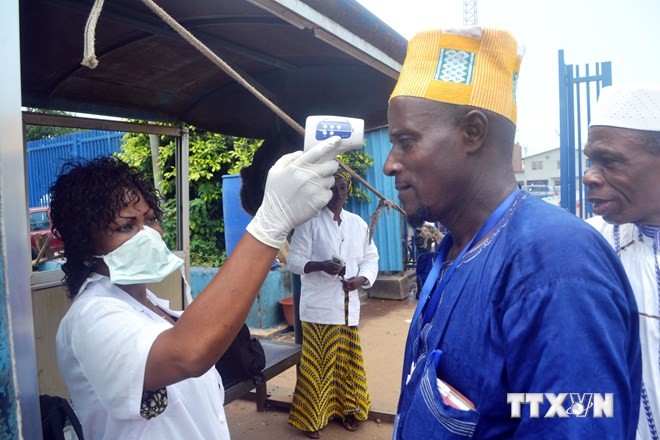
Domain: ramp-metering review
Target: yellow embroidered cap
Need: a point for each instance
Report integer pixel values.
(471, 65)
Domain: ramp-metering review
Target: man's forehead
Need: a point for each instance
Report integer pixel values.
(614, 139)
(419, 103)
(409, 109)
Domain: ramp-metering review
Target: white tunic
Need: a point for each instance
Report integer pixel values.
(102, 346)
(321, 295)
(638, 259)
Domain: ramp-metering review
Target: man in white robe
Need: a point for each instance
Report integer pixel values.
(623, 184)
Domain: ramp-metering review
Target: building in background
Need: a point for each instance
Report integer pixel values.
(540, 169)
(543, 169)
(517, 158)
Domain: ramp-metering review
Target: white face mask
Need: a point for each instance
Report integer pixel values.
(144, 258)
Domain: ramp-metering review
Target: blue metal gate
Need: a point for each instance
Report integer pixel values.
(45, 158)
(574, 117)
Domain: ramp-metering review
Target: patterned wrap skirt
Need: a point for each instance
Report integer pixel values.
(331, 382)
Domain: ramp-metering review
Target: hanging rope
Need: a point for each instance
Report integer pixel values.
(373, 220)
(215, 59)
(89, 60)
(89, 56)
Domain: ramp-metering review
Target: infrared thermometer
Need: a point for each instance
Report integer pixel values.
(339, 261)
(320, 128)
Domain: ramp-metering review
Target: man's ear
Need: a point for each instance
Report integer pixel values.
(475, 130)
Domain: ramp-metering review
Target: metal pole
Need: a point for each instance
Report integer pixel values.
(580, 210)
(19, 408)
(570, 175)
(563, 129)
(183, 202)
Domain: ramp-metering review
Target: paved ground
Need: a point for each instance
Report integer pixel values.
(383, 329)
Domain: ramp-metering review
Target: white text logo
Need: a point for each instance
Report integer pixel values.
(562, 404)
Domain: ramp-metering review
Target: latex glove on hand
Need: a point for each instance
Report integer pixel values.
(297, 188)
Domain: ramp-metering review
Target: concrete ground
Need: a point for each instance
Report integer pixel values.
(383, 330)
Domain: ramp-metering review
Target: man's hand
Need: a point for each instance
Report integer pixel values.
(331, 268)
(353, 283)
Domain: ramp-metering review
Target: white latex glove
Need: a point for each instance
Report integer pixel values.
(297, 188)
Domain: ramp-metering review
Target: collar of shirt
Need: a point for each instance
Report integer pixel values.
(326, 211)
(121, 294)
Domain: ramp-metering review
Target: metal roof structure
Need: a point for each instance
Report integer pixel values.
(307, 56)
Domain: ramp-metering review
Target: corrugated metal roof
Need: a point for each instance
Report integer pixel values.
(147, 71)
(308, 56)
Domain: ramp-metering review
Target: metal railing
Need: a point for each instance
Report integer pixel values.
(576, 92)
(45, 158)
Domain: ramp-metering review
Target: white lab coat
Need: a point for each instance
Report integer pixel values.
(102, 346)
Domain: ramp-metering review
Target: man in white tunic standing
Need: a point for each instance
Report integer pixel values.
(335, 256)
(624, 186)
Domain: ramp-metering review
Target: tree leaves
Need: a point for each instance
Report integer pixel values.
(212, 155)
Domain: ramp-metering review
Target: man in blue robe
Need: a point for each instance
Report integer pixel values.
(526, 326)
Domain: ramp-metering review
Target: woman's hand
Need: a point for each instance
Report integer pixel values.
(297, 188)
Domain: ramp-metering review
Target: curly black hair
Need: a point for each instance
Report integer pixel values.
(254, 175)
(86, 196)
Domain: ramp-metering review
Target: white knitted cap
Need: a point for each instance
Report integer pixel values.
(635, 107)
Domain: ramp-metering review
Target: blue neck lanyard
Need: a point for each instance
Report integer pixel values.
(446, 244)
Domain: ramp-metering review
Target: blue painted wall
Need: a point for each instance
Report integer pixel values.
(390, 229)
(266, 311)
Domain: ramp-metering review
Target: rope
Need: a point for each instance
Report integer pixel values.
(89, 60)
(359, 178)
(373, 220)
(89, 56)
(215, 59)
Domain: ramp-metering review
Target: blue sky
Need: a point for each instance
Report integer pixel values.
(627, 33)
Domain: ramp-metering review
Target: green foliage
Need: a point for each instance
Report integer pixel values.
(169, 222)
(211, 156)
(242, 154)
(360, 162)
(206, 254)
(38, 132)
(137, 152)
(206, 234)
